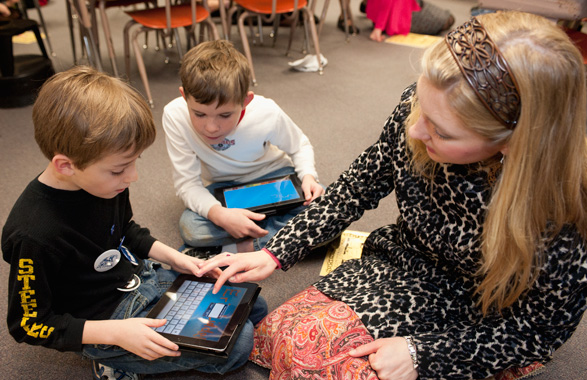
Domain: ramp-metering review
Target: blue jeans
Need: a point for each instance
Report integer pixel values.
(137, 304)
(197, 231)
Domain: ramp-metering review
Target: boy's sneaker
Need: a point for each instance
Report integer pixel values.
(203, 253)
(102, 372)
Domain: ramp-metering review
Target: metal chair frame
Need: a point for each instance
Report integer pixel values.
(162, 19)
(264, 14)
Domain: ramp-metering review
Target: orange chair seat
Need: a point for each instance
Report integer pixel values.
(264, 6)
(181, 15)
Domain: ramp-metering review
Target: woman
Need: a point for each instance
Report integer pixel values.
(405, 16)
(486, 267)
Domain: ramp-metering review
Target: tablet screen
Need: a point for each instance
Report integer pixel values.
(193, 311)
(261, 193)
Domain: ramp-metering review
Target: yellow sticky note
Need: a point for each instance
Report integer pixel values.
(413, 39)
(348, 247)
(26, 38)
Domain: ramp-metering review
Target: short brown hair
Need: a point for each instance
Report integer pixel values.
(215, 71)
(85, 115)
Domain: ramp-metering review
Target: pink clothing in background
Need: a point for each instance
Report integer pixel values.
(392, 16)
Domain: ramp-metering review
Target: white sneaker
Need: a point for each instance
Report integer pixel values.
(102, 372)
(308, 64)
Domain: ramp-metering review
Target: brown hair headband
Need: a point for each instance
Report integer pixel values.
(486, 70)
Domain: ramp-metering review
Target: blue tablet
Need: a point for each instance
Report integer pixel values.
(268, 196)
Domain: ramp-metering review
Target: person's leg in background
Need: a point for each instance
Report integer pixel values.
(197, 231)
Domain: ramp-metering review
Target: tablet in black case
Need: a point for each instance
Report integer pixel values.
(268, 196)
(200, 321)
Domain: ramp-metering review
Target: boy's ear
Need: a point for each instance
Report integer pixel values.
(63, 165)
(248, 98)
(182, 92)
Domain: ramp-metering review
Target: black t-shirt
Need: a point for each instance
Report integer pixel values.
(52, 240)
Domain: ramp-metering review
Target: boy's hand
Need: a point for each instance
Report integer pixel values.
(238, 222)
(135, 335)
(191, 265)
(311, 188)
(179, 262)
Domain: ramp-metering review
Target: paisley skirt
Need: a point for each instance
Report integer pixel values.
(309, 337)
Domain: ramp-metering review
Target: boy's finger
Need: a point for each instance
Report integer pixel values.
(255, 215)
(213, 264)
(165, 343)
(258, 232)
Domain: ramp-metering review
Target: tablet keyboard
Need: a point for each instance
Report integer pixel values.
(189, 297)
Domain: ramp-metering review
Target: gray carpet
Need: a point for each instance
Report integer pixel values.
(341, 111)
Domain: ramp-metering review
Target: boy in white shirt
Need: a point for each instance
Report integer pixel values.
(219, 133)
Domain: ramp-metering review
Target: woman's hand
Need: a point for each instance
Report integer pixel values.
(389, 357)
(241, 267)
(191, 265)
(311, 188)
(238, 222)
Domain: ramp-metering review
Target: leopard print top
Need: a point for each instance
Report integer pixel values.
(416, 277)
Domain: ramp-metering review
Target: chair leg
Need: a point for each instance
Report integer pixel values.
(91, 49)
(306, 42)
(39, 42)
(108, 36)
(71, 31)
(309, 20)
(225, 20)
(260, 28)
(231, 12)
(252, 31)
(212, 28)
(126, 33)
(322, 16)
(42, 22)
(141, 65)
(344, 6)
(178, 43)
(94, 17)
(275, 30)
(246, 48)
(293, 26)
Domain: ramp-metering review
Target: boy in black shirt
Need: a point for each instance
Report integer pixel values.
(81, 278)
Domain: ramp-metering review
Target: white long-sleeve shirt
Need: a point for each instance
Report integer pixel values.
(265, 140)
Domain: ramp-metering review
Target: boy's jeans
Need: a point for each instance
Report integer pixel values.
(197, 231)
(155, 281)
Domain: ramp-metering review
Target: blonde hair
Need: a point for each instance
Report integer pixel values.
(215, 71)
(543, 184)
(86, 115)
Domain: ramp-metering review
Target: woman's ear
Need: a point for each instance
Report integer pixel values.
(505, 150)
(63, 165)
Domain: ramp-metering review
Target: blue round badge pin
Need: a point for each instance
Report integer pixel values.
(107, 260)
